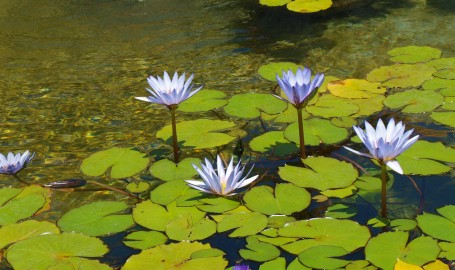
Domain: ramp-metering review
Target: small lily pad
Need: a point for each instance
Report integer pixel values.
(440, 227)
(401, 75)
(285, 199)
(199, 133)
(260, 252)
(274, 3)
(250, 105)
(414, 54)
(355, 88)
(145, 239)
(203, 101)
(414, 101)
(138, 187)
(123, 162)
(175, 256)
(97, 218)
(340, 211)
(269, 71)
(167, 170)
(449, 103)
(316, 131)
(17, 204)
(309, 6)
(323, 257)
(403, 224)
(445, 118)
(245, 224)
(19, 231)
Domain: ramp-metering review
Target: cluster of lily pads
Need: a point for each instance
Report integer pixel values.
(302, 215)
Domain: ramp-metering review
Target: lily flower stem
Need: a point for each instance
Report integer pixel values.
(174, 137)
(384, 177)
(302, 139)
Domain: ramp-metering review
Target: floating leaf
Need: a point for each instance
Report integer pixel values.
(340, 211)
(276, 240)
(449, 103)
(436, 265)
(260, 252)
(297, 265)
(340, 192)
(368, 106)
(424, 158)
(285, 199)
(276, 264)
(309, 6)
(440, 227)
(167, 170)
(316, 131)
(438, 84)
(145, 240)
(403, 224)
(97, 218)
(250, 105)
(175, 256)
(400, 265)
(321, 173)
(384, 249)
(287, 116)
(325, 231)
(322, 257)
(278, 221)
(217, 204)
(17, 204)
(245, 224)
(401, 75)
(54, 251)
(445, 66)
(185, 228)
(266, 141)
(203, 101)
(413, 54)
(124, 162)
(343, 122)
(446, 74)
(269, 71)
(447, 250)
(414, 101)
(138, 187)
(360, 265)
(330, 106)
(177, 191)
(445, 118)
(355, 88)
(19, 231)
(199, 133)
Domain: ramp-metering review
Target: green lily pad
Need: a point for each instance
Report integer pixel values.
(321, 173)
(440, 227)
(445, 118)
(347, 234)
(297, 265)
(287, 116)
(276, 264)
(330, 106)
(53, 251)
(368, 106)
(278, 221)
(177, 191)
(340, 211)
(274, 3)
(138, 187)
(123, 162)
(17, 204)
(244, 224)
(413, 54)
(340, 192)
(19, 231)
(217, 204)
(403, 224)
(167, 170)
(438, 84)
(360, 265)
(199, 133)
(425, 158)
(355, 88)
(446, 74)
(447, 250)
(323, 257)
(269, 71)
(343, 122)
(203, 101)
(378, 222)
(316, 131)
(276, 240)
(285, 199)
(384, 249)
(185, 228)
(449, 103)
(176, 256)
(401, 75)
(97, 218)
(267, 141)
(260, 252)
(250, 105)
(144, 240)
(414, 101)
(445, 67)
(309, 6)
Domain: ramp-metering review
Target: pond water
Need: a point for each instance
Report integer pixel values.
(69, 72)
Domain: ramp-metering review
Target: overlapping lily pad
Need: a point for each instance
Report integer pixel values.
(183, 255)
(97, 218)
(316, 131)
(414, 101)
(250, 105)
(167, 170)
(145, 239)
(445, 66)
(122, 162)
(438, 84)
(215, 204)
(330, 106)
(177, 191)
(245, 223)
(440, 227)
(401, 75)
(445, 118)
(17, 203)
(324, 257)
(204, 100)
(368, 106)
(260, 252)
(201, 133)
(355, 88)
(19, 231)
(414, 54)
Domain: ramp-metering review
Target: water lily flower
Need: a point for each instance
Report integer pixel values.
(12, 164)
(241, 267)
(299, 88)
(169, 92)
(384, 143)
(220, 181)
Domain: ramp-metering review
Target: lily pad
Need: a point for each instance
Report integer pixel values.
(449, 103)
(316, 131)
(203, 101)
(267, 141)
(368, 106)
(347, 234)
(260, 252)
(167, 170)
(340, 211)
(330, 106)
(287, 116)
(276, 264)
(309, 6)
(55, 251)
(425, 158)
(249, 223)
(438, 84)
(278, 221)
(445, 66)
(217, 204)
(414, 101)
(446, 74)
(97, 218)
(250, 105)
(414, 54)
(199, 133)
(19, 231)
(447, 250)
(401, 75)
(440, 227)
(144, 239)
(17, 204)
(185, 228)
(297, 265)
(269, 71)
(176, 256)
(285, 199)
(123, 162)
(403, 224)
(384, 249)
(321, 173)
(178, 191)
(355, 88)
(323, 257)
(445, 118)
(138, 187)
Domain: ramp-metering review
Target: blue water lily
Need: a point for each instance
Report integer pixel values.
(241, 267)
(13, 163)
(220, 181)
(385, 143)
